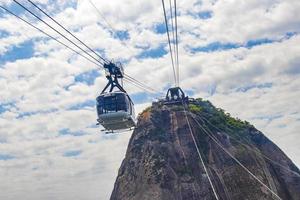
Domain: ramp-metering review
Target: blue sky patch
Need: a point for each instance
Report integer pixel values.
(153, 53)
(6, 157)
(88, 77)
(15, 8)
(252, 43)
(121, 35)
(3, 34)
(215, 46)
(59, 5)
(88, 103)
(72, 4)
(6, 106)
(268, 118)
(22, 51)
(67, 131)
(72, 153)
(2, 108)
(288, 35)
(143, 46)
(140, 97)
(27, 114)
(189, 92)
(160, 28)
(205, 15)
(249, 87)
(218, 46)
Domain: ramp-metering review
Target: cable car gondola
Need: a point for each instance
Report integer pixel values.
(115, 109)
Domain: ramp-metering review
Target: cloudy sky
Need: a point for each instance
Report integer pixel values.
(243, 56)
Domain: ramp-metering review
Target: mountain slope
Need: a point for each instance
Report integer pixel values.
(162, 161)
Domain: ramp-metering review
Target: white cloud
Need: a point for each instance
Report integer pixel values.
(44, 85)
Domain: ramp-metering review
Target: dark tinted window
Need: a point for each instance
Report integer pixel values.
(100, 104)
(117, 102)
(110, 104)
(121, 102)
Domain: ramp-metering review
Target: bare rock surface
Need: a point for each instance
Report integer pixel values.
(162, 163)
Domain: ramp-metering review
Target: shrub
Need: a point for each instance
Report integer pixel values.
(195, 108)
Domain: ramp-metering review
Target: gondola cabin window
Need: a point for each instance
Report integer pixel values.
(114, 103)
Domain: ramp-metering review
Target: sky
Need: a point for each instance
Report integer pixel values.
(243, 56)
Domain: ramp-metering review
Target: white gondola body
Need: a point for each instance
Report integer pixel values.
(115, 111)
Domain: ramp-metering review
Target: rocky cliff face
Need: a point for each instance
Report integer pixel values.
(162, 162)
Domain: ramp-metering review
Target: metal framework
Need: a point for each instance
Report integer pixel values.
(113, 73)
(176, 95)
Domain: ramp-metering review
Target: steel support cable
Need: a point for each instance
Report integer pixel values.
(170, 48)
(57, 31)
(177, 138)
(198, 151)
(173, 39)
(98, 63)
(137, 85)
(142, 84)
(102, 16)
(35, 27)
(78, 38)
(138, 82)
(235, 159)
(253, 150)
(176, 41)
(113, 30)
(70, 48)
(66, 30)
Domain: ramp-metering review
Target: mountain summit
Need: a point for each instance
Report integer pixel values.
(197, 152)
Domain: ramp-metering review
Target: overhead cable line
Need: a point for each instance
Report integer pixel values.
(110, 26)
(114, 31)
(142, 85)
(138, 85)
(173, 39)
(57, 31)
(66, 30)
(253, 150)
(199, 153)
(170, 48)
(176, 40)
(235, 159)
(96, 62)
(30, 24)
(102, 16)
(70, 48)
(126, 75)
